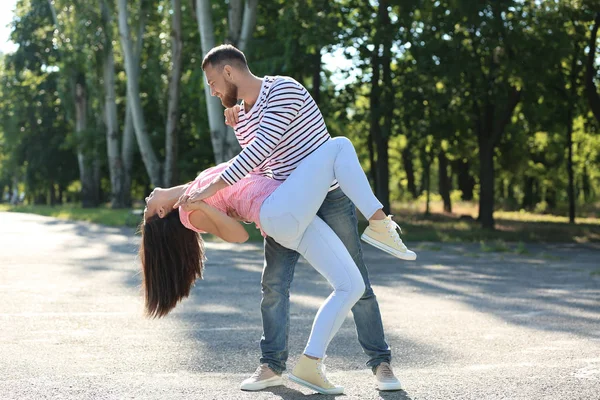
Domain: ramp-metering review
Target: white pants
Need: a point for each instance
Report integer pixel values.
(288, 215)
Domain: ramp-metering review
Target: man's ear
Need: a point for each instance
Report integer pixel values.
(228, 72)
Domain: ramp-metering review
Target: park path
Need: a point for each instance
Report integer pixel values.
(463, 324)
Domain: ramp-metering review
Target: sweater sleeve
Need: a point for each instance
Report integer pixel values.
(283, 104)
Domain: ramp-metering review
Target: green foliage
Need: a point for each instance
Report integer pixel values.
(454, 65)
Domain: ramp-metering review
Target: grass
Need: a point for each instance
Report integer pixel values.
(513, 229)
(101, 215)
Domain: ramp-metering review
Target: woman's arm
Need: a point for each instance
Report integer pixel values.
(214, 221)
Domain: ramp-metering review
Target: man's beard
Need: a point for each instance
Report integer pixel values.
(229, 98)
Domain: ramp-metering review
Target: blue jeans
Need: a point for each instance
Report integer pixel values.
(340, 214)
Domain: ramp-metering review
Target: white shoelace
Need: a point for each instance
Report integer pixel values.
(321, 370)
(393, 228)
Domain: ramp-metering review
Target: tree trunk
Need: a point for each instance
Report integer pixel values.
(427, 182)
(383, 175)
(550, 198)
(490, 129)
(248, 24)
(466, 183)
(234, 18)
(383, 168)
(407, 163)
(115, 163)
(444, 181)
(76, 82)
(129, 142)
(133, 96)
(52, 193)
(375, 113)
(316, 78)
(590, 86)
(372, 161)
(571, 175)
(570, 112)
(529, 199)
(586, 185)
(89, 184)
(171, 141)
(486, 184)
(224, 143)
(14, 195)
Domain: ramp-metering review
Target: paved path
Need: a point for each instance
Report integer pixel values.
(463, 324)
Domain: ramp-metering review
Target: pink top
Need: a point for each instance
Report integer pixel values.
(244, 197)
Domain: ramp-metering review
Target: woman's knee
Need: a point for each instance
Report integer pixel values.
(358, 290)
(343, 142)
(353, 287)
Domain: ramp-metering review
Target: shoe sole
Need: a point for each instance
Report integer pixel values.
(387, 249)
(389, 388)
(274, 381)
(315, 387)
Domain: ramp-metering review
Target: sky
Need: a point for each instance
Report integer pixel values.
(7, 8)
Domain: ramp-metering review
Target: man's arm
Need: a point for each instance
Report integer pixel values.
(283, 105)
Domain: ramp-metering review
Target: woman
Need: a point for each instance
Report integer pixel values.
(286, 211)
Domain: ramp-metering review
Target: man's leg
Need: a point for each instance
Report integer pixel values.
(340, 214)
(277, 276)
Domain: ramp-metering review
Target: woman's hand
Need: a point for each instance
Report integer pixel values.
(232, 115)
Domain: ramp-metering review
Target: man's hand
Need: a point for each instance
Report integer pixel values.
(188, 206)
(201, 194)
(232, 116)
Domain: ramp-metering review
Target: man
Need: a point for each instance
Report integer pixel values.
(279, 125)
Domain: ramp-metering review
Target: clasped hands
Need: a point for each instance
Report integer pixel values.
(190, 200)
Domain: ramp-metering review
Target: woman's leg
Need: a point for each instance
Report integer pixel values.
(328, 255)
(291, 208)
(321, 247)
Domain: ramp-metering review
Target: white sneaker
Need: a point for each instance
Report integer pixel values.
(386, 380)
(262, 378)
(383, 234)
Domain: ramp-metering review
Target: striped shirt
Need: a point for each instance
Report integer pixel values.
(244, 197)
(282, 128)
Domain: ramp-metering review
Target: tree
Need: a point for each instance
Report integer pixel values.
(170, 176)
(73, 40)
(224, 142)
(151, 162)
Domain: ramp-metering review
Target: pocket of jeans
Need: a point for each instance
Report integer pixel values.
(335, 195)
(283, 228)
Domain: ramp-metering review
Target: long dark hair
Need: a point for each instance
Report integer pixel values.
(172, 259)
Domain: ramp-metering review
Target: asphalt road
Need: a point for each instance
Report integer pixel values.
(463, 324)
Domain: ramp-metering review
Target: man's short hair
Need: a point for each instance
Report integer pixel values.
(224, 54)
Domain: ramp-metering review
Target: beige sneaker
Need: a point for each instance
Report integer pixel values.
(262, 378)
(386, 380)
(383, 234)
(311, 373)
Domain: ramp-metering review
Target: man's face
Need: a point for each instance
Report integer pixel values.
(220, 86)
